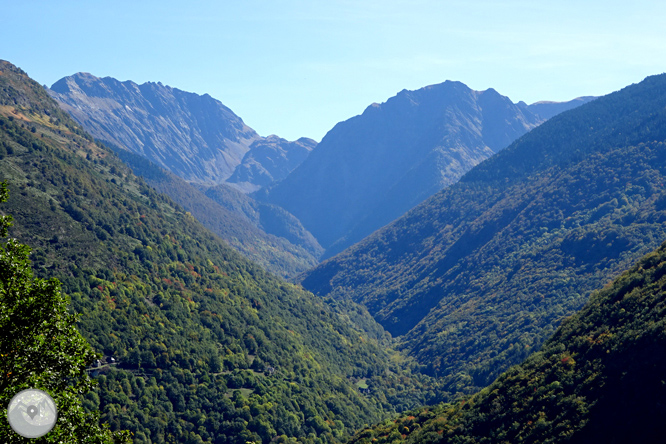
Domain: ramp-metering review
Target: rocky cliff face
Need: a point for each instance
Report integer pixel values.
(193, 136)
(370, 169)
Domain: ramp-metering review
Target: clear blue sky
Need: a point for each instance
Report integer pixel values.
(295, 67)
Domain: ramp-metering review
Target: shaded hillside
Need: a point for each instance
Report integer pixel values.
(207, 346)
(479, 275)
(195, 137)
(269, 218)
(599, 379)
(372, 168)
(272, 245)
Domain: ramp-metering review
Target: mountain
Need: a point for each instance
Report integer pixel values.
(479, 275)
(197, 344)
(372, 168)
(195, 137)
(599, 378)
(548, 109)
(264, 233)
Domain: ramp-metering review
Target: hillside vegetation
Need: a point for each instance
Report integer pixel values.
(197, 140)
(206, 346)
(479, 276)
(599, 378)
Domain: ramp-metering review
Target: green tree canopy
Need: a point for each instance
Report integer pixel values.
(41, 348)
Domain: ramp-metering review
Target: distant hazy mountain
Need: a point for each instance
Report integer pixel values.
(268, 160)
(196, 137)
(372, 168)
(478, 276)
(271, 219)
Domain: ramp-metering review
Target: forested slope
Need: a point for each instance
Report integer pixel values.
(599, 379)
(478, 276)
(281, 253)
(207, 345)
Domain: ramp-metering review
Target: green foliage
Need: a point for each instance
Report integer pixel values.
(598, 379)
(480, 275)
(41, 348)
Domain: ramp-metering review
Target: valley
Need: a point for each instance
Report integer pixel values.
(178, 308)
(448, 266)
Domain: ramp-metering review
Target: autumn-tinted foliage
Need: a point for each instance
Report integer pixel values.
(41, 348)
(275, 250)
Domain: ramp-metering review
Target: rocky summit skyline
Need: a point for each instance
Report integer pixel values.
(194, 136)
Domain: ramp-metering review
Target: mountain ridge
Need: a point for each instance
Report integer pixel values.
(268, 236)
(549, 108)
(371, 168)
(207, 344)
(194, 136)
(597, 379)
(199, 140)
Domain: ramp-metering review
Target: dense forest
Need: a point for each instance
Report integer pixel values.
(599, 378)
(479, 276)
(195, 343)
(42, 349)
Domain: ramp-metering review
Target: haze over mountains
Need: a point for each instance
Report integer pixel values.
(369, 170)
(547, 109)
(200, 141)
(264, 233)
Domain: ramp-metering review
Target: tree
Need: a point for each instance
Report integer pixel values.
(41, 348)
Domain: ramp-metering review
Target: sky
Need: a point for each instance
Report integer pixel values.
(295, 68)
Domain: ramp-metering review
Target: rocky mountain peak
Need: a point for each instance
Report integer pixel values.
(194, 136)
(373, 167)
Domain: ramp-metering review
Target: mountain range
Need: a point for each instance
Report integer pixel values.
(478, 276)
(486, 273)
(369, 170)
(372, 168)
